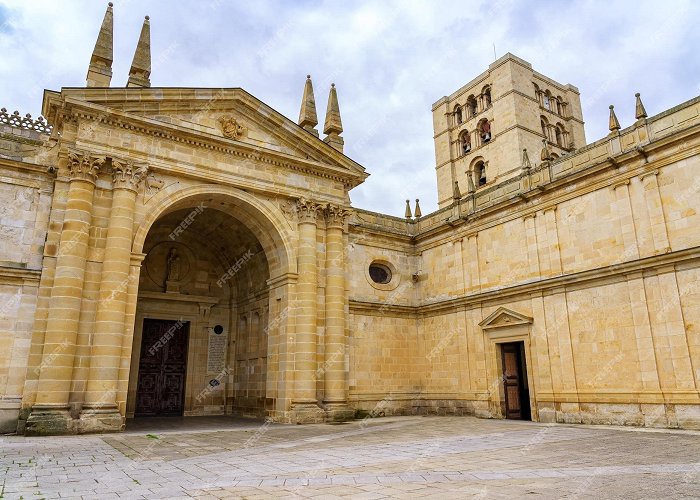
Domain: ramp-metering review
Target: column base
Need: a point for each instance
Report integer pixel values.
(100, 420)
(338, 412)
(307, 413)
(49, 421)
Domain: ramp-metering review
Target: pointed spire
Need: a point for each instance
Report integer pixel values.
(546, 154)
(456, 194)
(100, 70)
(408, 214)
(639, 111)
(140, 72)
(307, 115)
(614, 124)
(526, 160)
(471, 188)
(417, 212)
(333, 127)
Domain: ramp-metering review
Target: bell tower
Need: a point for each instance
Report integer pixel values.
(483, 127)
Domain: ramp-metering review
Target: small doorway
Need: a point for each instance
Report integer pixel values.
(515, 387)
(162, 368)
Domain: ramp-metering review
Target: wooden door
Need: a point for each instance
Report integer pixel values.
(514, 381)
(162, 368)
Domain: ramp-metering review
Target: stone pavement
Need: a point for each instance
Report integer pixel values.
(394, 457)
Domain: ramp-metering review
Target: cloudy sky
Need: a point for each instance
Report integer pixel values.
(390, 60)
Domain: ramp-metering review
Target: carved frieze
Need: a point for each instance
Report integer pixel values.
(83, 165)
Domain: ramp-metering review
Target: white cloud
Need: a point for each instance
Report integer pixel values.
(390, 61)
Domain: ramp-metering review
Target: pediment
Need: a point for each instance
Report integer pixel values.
(230, 115)
(503, 317)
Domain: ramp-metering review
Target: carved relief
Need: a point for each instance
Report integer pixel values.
(288, 209)
(308, 210)
(83, 165)
(126, 174)
(232, 128)
(336, 216)
(153, 185)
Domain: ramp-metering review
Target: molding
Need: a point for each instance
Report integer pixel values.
(614, 272)
(504, 317)
(19, 276)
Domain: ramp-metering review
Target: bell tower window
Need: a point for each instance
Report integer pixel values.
(485, 131)
(465, 142)
(480, 173)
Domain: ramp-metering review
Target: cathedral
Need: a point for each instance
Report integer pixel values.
(190, 251)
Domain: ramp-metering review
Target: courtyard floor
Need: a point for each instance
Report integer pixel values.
(393, 457)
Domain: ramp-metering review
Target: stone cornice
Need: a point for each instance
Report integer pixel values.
(10, 275)
(350, 174)
(647, 266)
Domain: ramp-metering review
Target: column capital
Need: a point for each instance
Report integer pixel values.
(336, 216)
(126, 174)
(308, 210)
(83, 165)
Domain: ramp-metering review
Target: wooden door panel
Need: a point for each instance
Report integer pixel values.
(162, 368)
(512, 380)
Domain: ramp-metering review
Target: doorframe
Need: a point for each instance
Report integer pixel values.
(522, 377)
(151, 310)
(504, 326)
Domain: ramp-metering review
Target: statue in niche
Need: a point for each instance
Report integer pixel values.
(172, 271)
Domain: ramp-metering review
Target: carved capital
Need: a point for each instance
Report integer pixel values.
(308, 210)
(126, 174)
(336, 216)
(83, 165)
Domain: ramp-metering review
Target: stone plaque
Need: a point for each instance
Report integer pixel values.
(216, 358)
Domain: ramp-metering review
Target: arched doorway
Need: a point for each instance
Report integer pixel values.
(202, 318)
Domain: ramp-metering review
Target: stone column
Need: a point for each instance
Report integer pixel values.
(50, 412)
(304, 403)
(655, 210)
(335, 383)
(100, 412)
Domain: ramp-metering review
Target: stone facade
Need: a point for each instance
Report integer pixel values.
(207, 208)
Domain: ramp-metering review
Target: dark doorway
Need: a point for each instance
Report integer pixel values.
(162, 367)
(515, 388)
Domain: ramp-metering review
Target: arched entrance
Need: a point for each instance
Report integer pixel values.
(207, 315)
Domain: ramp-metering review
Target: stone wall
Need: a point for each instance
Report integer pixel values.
(26, 191)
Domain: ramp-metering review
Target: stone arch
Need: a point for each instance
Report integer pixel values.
(199, 308)
(267, 225)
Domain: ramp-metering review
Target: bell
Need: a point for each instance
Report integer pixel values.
(467, 147)
(482, 179)
(487, 136)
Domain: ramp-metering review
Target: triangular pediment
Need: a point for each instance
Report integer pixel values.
(503, 317)
(232, 116)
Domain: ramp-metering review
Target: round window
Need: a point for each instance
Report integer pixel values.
(218, 329)
(380, 273)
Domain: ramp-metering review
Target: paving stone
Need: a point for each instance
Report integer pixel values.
(406, 457)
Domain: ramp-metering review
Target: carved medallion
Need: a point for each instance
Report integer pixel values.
(232, 128)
